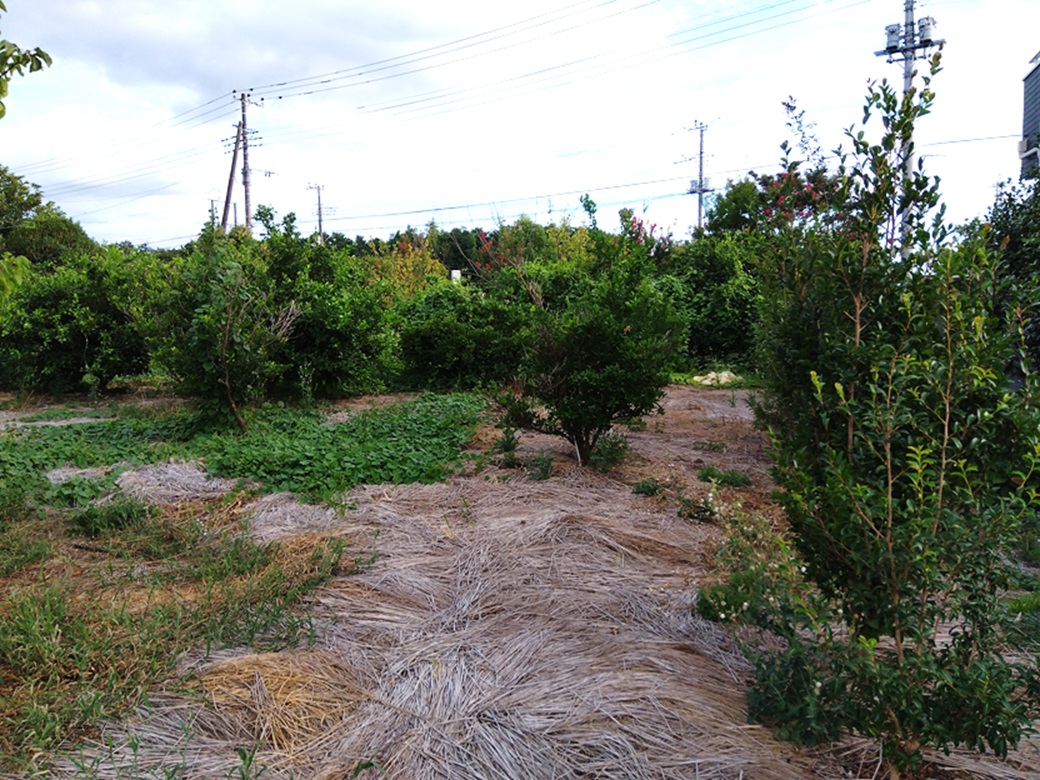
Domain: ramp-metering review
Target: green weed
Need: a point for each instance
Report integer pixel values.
(648, 487)
(709, 446)
(729, 478)
(698, 510)
(610, 450)
(540, 467)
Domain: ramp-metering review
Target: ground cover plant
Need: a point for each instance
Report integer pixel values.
(290, 449)
(172, 578)
(413, 441)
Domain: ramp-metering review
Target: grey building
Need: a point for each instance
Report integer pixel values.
(1029, 146)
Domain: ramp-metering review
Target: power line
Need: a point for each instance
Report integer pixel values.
(323, 83)
(550, 71)
(409, 57)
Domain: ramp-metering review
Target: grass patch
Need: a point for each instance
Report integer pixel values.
(68, 662)
(20, 548)
(729, 478)
(121, 588)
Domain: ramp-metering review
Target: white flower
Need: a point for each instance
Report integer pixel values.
(746, 605)
(722, 616)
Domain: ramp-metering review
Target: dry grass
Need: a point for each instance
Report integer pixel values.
(172, 482)
(507, 629)
(497, 635)
(285, 700)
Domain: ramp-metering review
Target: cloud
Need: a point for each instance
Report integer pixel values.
(420, 106)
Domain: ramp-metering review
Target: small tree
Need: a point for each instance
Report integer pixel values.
(215, 330)
(906, 464)
(601, 354)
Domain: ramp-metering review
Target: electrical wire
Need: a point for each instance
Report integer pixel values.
(448, 100)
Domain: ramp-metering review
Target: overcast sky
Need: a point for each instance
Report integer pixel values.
(468, 113)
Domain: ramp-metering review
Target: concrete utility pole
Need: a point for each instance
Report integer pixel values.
(904, 42)
(243, 130)
(321, 232)
(231, 177)
(700, 185)
(909, 43)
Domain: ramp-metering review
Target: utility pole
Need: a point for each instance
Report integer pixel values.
(243, 130)
(231, 177)
(321, 232)
(904, 43)
(700, 185)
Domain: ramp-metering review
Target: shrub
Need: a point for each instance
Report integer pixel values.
(1015, 233)
(453, 336)
(906, 465)
(48, 238)
(601, 355)
(71, 328)
(215, 329)
(244, 321)
(717, 293)
(340, 343)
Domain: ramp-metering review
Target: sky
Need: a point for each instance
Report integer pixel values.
(469, 114)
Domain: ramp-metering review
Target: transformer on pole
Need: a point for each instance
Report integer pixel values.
(908, 43)
(903, 42)
(700, 185)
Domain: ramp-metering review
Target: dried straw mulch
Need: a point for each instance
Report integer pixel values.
(506, 629)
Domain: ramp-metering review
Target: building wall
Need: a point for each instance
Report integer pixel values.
(1031, 118)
